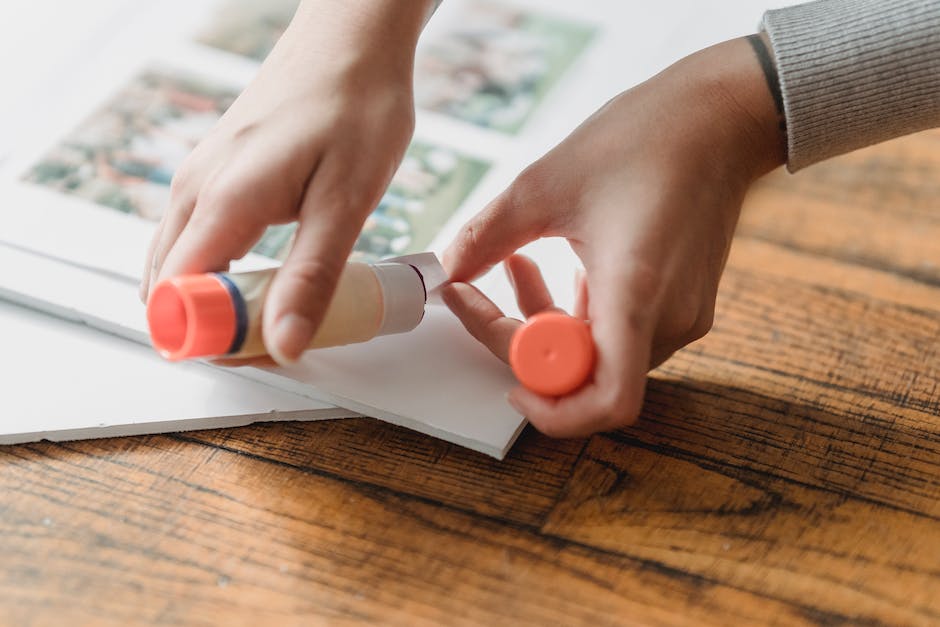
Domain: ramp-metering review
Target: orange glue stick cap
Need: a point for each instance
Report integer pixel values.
(192, 316)
(552, 354)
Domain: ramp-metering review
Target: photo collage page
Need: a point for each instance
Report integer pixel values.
(491, 70)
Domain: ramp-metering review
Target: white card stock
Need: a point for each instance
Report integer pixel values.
(436, 379)
(111, 94)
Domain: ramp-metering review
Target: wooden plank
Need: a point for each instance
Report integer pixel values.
(878, 207)
(521, 488)
(780, 262)
(162, 531)
(755, 532)
(896, 177)
(844, 341)
(857, 452)
(806, 363)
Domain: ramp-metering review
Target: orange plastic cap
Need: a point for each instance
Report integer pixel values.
(191, 316)
(552, 354)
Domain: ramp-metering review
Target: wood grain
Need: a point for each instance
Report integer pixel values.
(129, 532)
(754, 531)
(878, 207)
(786, 470)
(520, 489)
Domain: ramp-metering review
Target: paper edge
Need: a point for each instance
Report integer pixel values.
(180, 425)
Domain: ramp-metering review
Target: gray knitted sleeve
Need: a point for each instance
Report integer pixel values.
(855, 72)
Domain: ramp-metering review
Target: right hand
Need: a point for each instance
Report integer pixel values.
(316, 137)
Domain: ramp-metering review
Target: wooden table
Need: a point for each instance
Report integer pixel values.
(786, 470)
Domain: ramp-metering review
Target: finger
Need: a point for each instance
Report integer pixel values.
(581, 301)
(219, 212)
(512, 220)
(531, 292)
(331, 216)
(149, 262)
(177, 216)
(224, 225)
(482, 319)
(623, 322)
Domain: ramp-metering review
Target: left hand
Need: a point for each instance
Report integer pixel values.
(487, 323)
(647, 192)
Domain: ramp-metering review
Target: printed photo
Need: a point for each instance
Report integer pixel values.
(124, 155)
(429, 187)
(495, 67)
(249, 28)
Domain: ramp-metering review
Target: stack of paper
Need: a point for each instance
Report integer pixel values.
(86, 171)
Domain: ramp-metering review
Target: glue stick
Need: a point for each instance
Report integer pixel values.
(219, 314)
(552, 354)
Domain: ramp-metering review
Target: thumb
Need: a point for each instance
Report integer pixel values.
(513, 219)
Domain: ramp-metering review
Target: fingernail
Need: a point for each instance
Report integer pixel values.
(292, 334)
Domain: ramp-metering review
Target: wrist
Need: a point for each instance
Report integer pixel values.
(374, 32)
(734, 85)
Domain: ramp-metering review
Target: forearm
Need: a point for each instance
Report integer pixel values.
(855, 72)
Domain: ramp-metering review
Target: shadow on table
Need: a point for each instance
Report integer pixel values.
(832, 442)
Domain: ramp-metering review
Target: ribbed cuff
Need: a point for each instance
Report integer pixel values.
(855, 72)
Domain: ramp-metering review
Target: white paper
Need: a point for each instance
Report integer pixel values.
(435, 379)
(65, 381)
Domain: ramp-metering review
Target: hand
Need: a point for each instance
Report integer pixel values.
(487, 323)
(647, 191)
(316, 138)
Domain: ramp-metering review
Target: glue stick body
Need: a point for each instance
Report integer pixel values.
(220, 314)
